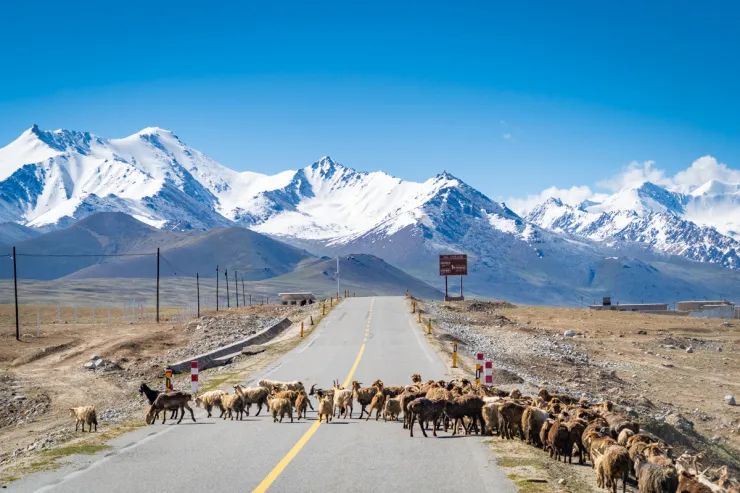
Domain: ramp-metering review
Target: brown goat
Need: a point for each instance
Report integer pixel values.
(425, 410)
(611, 466)
(511, 420)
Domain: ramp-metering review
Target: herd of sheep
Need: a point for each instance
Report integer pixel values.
(611, 441)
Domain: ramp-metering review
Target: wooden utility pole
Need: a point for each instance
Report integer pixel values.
(197, 289)
(226, 275)
(157, 285)
(244, 296)
(217, 288)
(15, 290)
(236, 288)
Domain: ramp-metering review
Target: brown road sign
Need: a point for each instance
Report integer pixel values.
(453, 265)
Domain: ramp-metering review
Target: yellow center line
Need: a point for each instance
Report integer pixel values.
(288, 458)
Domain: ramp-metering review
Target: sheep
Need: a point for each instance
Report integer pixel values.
(377, 404)
(654, 478)
(326, 406)
(425, 410)
(363, 396)
(470, 406)
(84, 415)
(392, 408)
(301, 404)
(559, 441)
(278, 385)
(490, 417)
(511, 420)
(253, 395)
(611, 466)
(168, 401)
(281, 406)
(532, 421)
(209, 400)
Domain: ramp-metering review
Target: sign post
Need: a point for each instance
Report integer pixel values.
(488, 374)
(478, 367)
(168, 379)
(453, 265)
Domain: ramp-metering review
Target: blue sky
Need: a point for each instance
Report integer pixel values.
(512, 97)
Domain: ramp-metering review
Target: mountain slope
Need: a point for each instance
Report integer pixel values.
(648, 215)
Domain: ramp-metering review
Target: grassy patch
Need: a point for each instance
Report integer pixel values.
(76, 449)
(527, 485)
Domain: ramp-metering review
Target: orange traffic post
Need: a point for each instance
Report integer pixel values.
(454, 355)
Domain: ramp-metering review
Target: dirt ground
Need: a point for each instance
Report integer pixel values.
(670, 372)
(43, 375)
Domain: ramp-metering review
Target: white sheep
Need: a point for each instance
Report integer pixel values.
(211, 399)
(278, 385)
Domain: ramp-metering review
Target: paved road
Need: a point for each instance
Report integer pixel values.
(363, 338)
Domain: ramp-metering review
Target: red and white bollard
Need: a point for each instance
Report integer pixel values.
(488, 373)
(194, 376)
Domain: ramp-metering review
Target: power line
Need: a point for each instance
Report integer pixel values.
(85, 254)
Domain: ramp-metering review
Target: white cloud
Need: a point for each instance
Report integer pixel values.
(702, 170)
(635, 174)
(506, 136)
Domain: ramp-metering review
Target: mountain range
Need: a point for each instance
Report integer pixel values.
(642, 243)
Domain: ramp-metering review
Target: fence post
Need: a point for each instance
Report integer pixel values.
(226, 275)
(15, 291)
(197, 287)
(236, 288)
(244, 296)
(217, 288)
(157, 285)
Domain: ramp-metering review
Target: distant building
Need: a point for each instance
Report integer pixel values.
(606, 304)
(297, 298)
(690, 306)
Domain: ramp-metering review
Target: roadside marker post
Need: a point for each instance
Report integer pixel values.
(478, 367)
(413, 307)
(454, 355)
(488, 375)
(194, 376)
(301, 329)
(168, 379)
(419, 317)
(429, 326)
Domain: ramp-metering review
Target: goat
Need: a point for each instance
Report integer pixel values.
(233, 405)
(253, 395)
(326, 406)
(688, 483)
(342, 401)
(281, 406)
(425, 410)
(152, 394)
(511, 419)
(84, 415)
(377, 404)
(363, 396)
(301, 404)
(392, 408)
(278, 385)
(559, 441)
(532, 420)
(611, 466)
(209, 400)
(466, 406)
(491, 417)
(169, 401)
(406, 397)
(654, 478)
(576, 427)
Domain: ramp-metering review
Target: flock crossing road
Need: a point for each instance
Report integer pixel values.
(362, 339)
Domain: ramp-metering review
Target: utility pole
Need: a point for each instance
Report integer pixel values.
(337, 277)
(244, 296)
(217, 288)
(157, 285)
(197, 288)
(15, 290)
(236, 288)
(226, 275)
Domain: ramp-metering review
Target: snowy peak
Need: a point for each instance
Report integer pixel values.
(645, 198)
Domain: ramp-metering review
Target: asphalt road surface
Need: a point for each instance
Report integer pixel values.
(364, 339)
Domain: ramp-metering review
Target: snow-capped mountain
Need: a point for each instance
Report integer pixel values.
(558, 254)
(651, 216)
